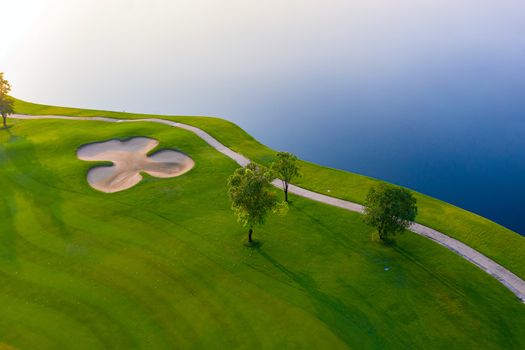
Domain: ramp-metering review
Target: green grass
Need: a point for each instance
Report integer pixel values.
(163, 265)
(495, 241)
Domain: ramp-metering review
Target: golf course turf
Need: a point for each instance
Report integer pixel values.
(163, 265)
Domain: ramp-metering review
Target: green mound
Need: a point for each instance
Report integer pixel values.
(495, 241)
(163, 265)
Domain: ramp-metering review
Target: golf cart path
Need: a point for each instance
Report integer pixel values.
(506, 277)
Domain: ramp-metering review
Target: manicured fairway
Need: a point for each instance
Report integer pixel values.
(162, 265)
(500, 244)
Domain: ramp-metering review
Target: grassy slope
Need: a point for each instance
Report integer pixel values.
(162, 264)
(502, 245)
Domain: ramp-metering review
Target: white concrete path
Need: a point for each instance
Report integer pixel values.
(507, 278)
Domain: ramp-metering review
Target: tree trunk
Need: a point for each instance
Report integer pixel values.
(286, 192)
(250, 235)
(4, 117)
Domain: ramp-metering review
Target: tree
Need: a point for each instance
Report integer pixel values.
(286, 168)
(390, 209)
(6, 102)
(251, 196)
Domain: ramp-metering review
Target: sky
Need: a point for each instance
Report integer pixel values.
(428, 94)
(194, 57)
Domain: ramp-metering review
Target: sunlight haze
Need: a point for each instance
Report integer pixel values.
(323, 79)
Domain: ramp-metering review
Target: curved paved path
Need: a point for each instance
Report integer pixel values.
(507, 278)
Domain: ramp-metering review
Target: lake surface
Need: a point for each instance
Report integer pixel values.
(459, 136)
(425, 94)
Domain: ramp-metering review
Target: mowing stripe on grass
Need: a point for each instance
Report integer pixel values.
(515, 284)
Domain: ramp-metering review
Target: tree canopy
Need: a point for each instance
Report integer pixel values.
(390, 209)
(6, 102)
(286, 168)
(251, 195)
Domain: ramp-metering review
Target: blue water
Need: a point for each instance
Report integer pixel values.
(456, 134)
(425, 94)
(454, 130)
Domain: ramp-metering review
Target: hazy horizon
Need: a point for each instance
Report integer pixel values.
(426, 94)
(178, 52)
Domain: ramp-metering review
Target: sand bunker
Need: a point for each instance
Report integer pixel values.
(129, 159)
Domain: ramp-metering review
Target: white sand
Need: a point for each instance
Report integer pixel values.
(129, 159)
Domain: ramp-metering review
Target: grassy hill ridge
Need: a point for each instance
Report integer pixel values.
(495, 241)
(162, 265)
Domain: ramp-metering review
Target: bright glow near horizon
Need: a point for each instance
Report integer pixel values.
(200, 54)
(424, 93)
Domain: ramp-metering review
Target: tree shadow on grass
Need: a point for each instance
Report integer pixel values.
(335, 314)
(255, 244)
(387, 242)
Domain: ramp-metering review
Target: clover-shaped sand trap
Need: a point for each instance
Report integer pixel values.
(130, 158)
